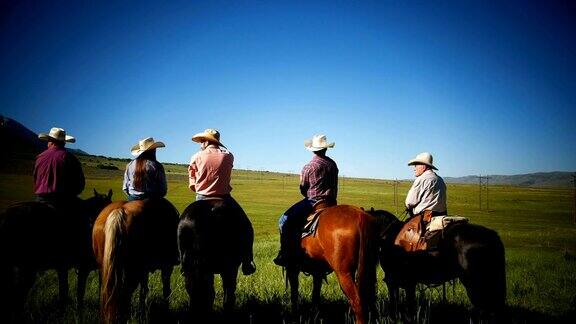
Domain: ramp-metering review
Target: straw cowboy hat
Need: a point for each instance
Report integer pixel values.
(423, 158)
(145, 145)
(210, 135)
(317, 143)
(57, 134)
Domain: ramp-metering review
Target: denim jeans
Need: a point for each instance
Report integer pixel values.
(297, 211)
(137, 197)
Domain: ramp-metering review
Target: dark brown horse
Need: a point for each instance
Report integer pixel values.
(36, 236)
(130, 240)
(472, 253)
(211, 239)
(345, 242)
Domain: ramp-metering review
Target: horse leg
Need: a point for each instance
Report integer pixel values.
(393, 294)
(166, 274)
(292, 274)
(81, 285)
(62, 285)
(351, 291)
(316, 287)
(143, 293)
(411, 300)
(229, 281)
(25, 281)
(200, 287)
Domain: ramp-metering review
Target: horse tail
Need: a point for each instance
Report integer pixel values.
(366, 272)
(112, 269)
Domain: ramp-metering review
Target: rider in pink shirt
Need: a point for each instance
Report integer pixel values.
(209, 173)
(210, 170)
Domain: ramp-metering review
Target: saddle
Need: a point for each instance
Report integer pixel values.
(412, 237)
(312, 219)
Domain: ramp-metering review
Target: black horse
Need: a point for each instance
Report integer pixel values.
(212, 239)
(36, 236)
(472, 253)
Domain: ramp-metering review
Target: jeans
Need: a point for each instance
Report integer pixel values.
(296, 213)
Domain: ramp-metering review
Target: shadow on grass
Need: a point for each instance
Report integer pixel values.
(256, 312)
(275, 311)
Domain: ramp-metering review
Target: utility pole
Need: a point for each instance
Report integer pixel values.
(574, 182)
(396, 195)
(480, 192)
(487, 200)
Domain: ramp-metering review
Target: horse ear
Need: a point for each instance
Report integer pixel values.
(95, 192)
(362, 208)
(372, 209)
(109, 193)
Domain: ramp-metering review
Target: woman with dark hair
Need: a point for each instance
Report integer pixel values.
(145, 176)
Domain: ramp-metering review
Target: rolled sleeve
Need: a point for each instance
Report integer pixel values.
(125, 183)
(192, 170)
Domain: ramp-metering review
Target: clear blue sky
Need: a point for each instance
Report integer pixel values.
(486, 87)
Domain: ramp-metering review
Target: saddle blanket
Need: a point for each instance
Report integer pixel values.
(440, 222)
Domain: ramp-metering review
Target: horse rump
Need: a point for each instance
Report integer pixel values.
(481, 256)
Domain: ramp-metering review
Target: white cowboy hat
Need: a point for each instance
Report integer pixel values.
(145, 145)
(210, 135)
(423, 158)
(57, 134)
(317, 143)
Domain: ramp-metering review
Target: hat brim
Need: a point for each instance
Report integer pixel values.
(136, 151)
(414, 162)
(309, 147)
(203, 137)
(47, 137)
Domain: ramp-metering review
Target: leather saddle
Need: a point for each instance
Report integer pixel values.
(422, 235)
(314, 217)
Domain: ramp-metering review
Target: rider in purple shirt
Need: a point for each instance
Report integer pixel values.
(318, 183)
(58, 175)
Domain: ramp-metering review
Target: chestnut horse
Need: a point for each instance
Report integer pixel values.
(472, 253)
(211, 239)
(345, 242)
(36, 236)
(130, 240)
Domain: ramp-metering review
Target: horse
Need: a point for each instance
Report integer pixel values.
(344, 243)
(36, 236)
(472, 253)
(130, 240)
(211, 240)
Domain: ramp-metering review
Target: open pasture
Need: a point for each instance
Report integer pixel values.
(536, 225)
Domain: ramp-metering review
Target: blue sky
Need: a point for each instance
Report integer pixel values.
(486, 87)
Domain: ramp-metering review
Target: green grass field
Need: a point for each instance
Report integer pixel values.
(536, 225)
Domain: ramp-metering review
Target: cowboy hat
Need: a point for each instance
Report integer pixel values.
(317, 143)
(210, 135)
(423, 158)
(57, 134)
(145, 145)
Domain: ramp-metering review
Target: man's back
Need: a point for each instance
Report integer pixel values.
(58, 172)
(211, 171)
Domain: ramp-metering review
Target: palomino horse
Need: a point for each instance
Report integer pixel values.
(472, 253)
(36, 236)
(131, 239)
(211, 239)
(345, 242)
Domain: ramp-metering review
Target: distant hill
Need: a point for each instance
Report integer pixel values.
(539, 179)
(21, 142)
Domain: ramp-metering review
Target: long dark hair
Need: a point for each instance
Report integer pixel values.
(140, 175)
